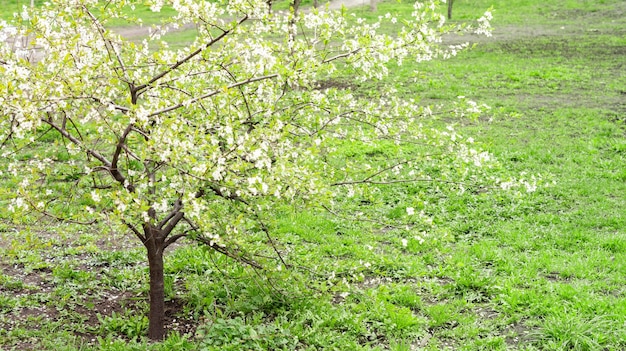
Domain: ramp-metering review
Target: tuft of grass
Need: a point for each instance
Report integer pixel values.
(575, 332)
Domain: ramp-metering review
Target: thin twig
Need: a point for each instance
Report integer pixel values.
(109, 44)
(232, 253)
(360, 219)
(414, 180)
(269, 237)
(60, 219)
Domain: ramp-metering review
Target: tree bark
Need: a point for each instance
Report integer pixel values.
(450, 8)
(155, 244)
(296, 7)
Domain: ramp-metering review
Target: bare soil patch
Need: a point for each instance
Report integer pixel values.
(517, 334)
(36, 288)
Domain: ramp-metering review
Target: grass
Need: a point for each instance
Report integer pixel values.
(497, 272)
(13, 7)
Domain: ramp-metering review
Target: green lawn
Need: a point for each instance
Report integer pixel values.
(497, 271)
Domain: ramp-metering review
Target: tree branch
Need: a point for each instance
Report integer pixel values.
(243, 96)
(269, 237)
(120, 146)
(178, 205)
(232, 197)
(173, 239)
(115, 173)
(188, 57)
(172, 223)
(135, 231)
(77, 142)
(221, 249)
(212, 93)
(345, 54)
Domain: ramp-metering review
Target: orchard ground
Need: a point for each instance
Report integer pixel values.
(544, 271)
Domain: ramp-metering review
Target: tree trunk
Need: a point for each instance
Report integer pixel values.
(155, 244)
(450, 8)
(296, 7)
(373, 5)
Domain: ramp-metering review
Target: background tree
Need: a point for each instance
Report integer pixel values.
(206, 140)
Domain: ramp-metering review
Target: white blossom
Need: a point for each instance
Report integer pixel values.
(95, 196)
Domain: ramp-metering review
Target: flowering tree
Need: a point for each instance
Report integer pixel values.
(204, 140)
